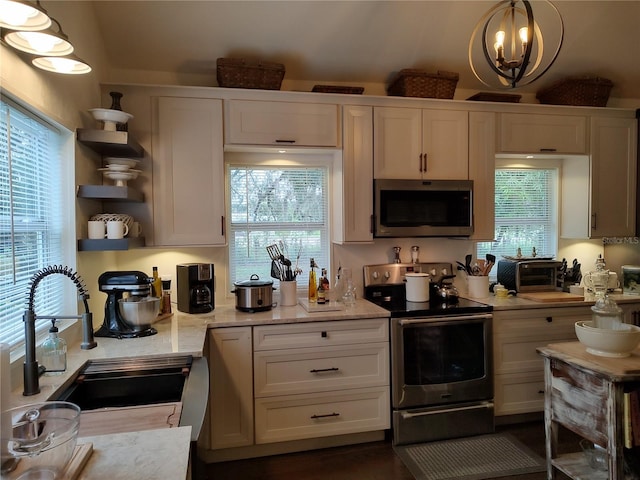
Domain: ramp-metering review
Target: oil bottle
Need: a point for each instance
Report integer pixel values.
(313, 283)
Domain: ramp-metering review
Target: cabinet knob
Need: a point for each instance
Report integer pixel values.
(549, 319)
(323, 334)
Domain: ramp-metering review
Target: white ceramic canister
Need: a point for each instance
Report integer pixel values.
(418, 285)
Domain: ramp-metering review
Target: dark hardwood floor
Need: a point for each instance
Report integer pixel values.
(370, 461)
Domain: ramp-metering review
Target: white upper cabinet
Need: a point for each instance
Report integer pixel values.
(531, 133)
(412, 143)
(188, 172)
(354, 207)
(613, 176)
(251, 122)
(482, 151)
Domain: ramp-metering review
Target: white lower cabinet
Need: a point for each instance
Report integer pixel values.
(278, 383)
(294, 417)
(231, 387)
(518, 368)
(321, 379)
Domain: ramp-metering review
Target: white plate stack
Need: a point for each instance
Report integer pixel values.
(120, 170)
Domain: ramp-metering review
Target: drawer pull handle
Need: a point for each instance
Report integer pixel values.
(281, 140)
(322, 370)
(334, 414)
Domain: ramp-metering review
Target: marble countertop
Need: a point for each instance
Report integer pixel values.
(148, 455)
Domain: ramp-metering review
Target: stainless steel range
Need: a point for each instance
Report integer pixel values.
(441, 357)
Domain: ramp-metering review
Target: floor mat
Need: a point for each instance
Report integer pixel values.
(470, 458)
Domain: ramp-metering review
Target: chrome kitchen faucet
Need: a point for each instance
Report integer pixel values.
(31, 370)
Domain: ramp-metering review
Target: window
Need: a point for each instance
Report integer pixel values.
(526, 209)
(283, 203)
(34, 216)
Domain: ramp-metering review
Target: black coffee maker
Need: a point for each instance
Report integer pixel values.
(196, 293)
(115, 285)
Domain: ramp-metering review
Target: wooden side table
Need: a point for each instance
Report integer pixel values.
(585, 394)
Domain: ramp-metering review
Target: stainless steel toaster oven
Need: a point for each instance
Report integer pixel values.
(529, 275)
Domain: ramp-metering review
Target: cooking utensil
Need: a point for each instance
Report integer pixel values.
(274, 252)
(275, 270)
(467, 263)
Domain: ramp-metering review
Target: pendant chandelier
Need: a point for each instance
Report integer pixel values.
(507, 47)
(28, 28)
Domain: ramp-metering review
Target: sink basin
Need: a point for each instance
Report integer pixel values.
(128, 382)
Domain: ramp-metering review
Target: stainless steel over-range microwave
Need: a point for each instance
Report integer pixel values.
(423, 208)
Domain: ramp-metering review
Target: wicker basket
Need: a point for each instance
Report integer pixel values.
(338, 89)
(243, 73)
(585, 91)
(418, 83)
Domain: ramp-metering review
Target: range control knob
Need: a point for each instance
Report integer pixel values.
(387, 275)
(433, 272)
(375, 275)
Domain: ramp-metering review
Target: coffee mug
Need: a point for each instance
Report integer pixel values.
(116, 229)
(96, 229)
(136, 230)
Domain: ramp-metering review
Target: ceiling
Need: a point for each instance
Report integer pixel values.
(356, 42)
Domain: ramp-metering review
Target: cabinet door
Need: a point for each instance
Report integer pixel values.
(188, 172)
(231, 387)
(613, 181)
(251, 122)
(526, 133)
(353, 213)
(482, 167)
(397, 143)
(445, 140)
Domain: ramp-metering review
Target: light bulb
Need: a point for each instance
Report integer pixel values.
(524, 34)
(14, 15)
(40, 42)
(499, 38)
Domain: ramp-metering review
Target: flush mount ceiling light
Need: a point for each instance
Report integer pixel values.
(23, 15)
(48, 42)
(507, 47)
(69, 64)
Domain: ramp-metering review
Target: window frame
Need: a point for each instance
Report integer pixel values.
(291, 158)
(66, 302)
(548, 163)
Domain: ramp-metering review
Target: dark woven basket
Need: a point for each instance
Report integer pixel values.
(338, 89)
(243, 73)
(417, 83)
(579, 91)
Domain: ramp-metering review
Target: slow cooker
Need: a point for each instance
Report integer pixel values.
(254, 295)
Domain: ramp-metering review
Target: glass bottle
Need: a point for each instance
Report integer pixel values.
(313, 284)
(54, 351)
(338, 287)
(156, 284)
(165, 303)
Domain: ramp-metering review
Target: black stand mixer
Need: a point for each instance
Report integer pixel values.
(115, 285)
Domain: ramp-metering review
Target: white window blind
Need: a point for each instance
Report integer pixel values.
(273, 204)
(30, 218)
(526, 208)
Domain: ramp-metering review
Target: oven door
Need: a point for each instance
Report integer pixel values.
(441, 360)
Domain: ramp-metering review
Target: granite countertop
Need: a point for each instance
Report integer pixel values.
(517, 303)
(148, 455)
(227, 315)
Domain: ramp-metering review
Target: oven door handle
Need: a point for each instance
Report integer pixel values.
(415, 321)
(408, 415)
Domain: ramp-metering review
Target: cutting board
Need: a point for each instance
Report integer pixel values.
(551, 297)
(325, 307)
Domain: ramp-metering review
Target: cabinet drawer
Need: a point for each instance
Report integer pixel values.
(250, 122)
(306, 370)
(518, 354)
(524, 133)
(518, 393)
(320, 334)
(321, 414)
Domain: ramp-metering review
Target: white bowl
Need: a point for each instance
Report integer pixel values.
(606, 342)
(129, 162)
(110, 117)
(120, 178)
(114, 167)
